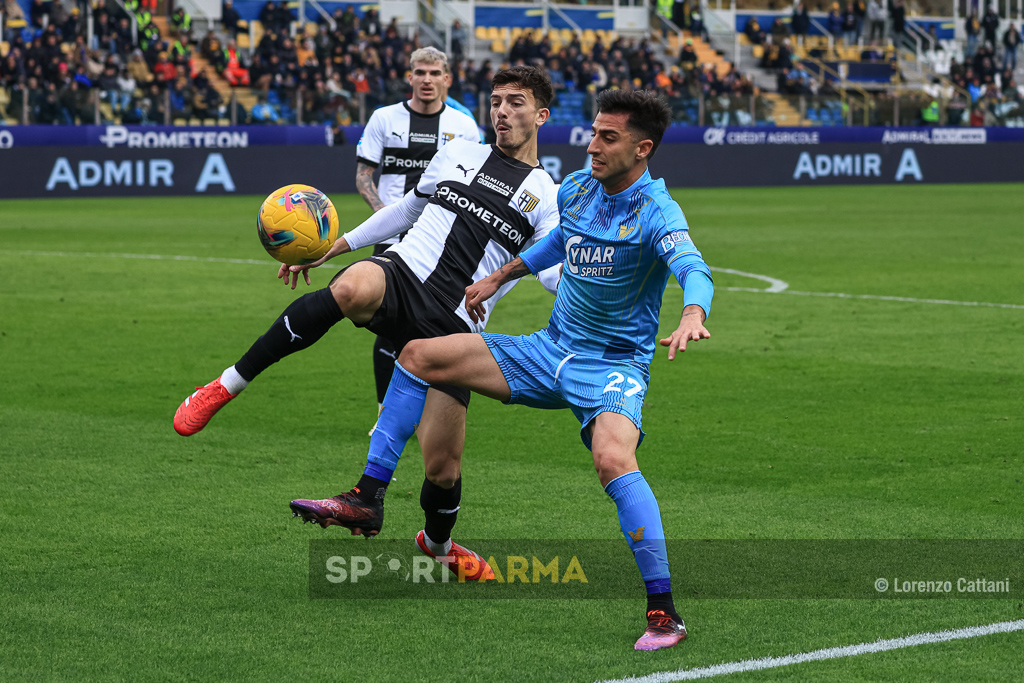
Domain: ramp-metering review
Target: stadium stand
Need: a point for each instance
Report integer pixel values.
(104, 61)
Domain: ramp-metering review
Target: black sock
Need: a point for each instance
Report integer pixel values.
(384, 358)
(440, 508)
(662, 601)
(370, 488)
(304, 321)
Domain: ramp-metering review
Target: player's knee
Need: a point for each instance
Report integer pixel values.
(347, 293)
(416, 359)
(609, 464)
(442, 465)
(444, 477)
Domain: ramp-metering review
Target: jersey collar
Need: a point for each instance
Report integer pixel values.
(423, 116)
(643, 180)
(512, 160)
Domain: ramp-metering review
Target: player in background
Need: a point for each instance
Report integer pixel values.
(400, 140)
(621, 235)
(475, 208)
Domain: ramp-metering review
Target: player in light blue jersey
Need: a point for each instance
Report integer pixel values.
(620, 235)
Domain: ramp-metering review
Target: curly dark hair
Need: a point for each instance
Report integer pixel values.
(529, 78)
(649, 115)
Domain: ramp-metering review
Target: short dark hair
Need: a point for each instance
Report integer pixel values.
(649, 115)
(529, 78)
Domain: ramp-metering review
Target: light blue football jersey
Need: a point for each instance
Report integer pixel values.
(618, 252)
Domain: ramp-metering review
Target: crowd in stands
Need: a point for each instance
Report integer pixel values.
(627, 64)
(141, 76)
(985, 75)
(130, 72)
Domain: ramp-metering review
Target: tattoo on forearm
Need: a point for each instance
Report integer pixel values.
(364, 185)
(513, 271)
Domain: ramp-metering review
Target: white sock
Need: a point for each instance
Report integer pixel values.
(439, 549)
(232, 381)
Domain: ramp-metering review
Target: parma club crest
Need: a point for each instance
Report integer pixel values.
(527, 202)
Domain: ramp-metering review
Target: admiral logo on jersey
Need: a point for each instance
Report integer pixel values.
(588, 261)
(495, 184)
(422, 138)
(669, 241)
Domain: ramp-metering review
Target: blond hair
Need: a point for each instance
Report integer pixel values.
(429, 55)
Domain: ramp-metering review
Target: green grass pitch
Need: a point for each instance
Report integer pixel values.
(130, 553)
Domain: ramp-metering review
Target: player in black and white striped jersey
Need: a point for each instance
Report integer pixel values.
(400, 140)
(475, 208)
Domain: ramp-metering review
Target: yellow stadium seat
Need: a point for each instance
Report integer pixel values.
(498, 46)
(16, 23)
(493, 33)
(243, 25)
(242, 40)
(589, 36)
(516, 32)
(673, 43)
(757, 51)
(310, 29)
(5, 47)
(744, 40)
(566, 35)
(481, 33)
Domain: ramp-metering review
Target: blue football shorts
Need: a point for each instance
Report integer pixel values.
(543, 374)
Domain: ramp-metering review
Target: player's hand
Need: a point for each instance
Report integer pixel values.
(476, 294)
(691, 328)
(291, 273)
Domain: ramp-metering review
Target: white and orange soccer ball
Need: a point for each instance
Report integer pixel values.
(297, 224)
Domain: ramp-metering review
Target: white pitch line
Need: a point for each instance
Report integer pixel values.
(775, 286)
(877, 297)
(827, 653)
(144, 257)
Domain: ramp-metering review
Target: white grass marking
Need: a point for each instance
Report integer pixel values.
(775, 286)
(144, 257)
(827, 653)
(876, 297)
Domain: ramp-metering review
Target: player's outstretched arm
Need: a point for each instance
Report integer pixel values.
(482, 290)
(286, 272)
(691, 328)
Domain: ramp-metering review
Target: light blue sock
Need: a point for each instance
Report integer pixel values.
(640, 519)
(403, 408)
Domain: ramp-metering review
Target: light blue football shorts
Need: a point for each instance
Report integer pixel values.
(544, 374)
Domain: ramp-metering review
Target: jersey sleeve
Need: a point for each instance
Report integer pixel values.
(370, 148)
(393, 219)
(673, 246)
(548, 248)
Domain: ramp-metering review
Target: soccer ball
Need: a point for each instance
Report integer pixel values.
(297, 224)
